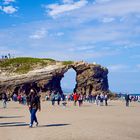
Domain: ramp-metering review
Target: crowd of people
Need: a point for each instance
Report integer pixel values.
(8, 56)
(128, 98)
(33, 100)
(56, 97)
(99, 99)
(21, 98)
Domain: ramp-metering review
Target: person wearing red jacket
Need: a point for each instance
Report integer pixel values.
(75, 98)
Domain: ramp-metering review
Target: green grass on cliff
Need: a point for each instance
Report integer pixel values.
(23, 65)
(67, 62)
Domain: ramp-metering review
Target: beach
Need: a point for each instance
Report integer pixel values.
(88, 122)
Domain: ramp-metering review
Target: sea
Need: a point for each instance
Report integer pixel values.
(70, 91)
(132, 94)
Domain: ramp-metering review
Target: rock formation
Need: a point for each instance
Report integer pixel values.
(90, 78)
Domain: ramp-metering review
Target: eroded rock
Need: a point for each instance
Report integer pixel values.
(90, 78)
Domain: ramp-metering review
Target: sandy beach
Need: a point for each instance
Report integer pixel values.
(89, 122)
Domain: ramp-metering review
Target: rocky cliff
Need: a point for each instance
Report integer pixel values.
(90, 78)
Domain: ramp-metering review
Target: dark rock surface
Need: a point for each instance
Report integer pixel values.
(90, 78)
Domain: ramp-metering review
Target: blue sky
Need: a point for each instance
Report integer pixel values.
(102, 31)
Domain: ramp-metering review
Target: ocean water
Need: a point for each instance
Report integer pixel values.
(135, 94)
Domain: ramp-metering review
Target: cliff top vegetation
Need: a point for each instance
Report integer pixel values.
(22, 65)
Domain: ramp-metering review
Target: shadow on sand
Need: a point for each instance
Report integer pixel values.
(13, 124)
(10, 108)
(4, 117)
(110, 105)
(54, 125)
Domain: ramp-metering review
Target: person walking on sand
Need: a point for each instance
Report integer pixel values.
(4, 99)
(106, 99)
(57, 98)
(127, 99)
(101, 99)
(97, 99)
(53, 98)
(80, 99)
(75, 98)
(33, 102)
(19, 98)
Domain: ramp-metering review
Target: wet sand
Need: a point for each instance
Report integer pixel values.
(89, 122)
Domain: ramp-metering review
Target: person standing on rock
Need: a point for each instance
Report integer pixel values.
(33, 102)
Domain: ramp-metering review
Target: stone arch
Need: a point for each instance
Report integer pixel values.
(90, 78)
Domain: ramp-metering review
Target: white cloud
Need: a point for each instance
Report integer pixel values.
(115, 9)
(118, 68)
(108, 20)
(56, 9)
(69, 55)
(101, 1)
(77, 35)
(67, 1)
(8, 1)
(84, 48)
(39, 34)
(138, 66)
(98, 34)
(136, 56)
(59, 34)
(9, 9)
